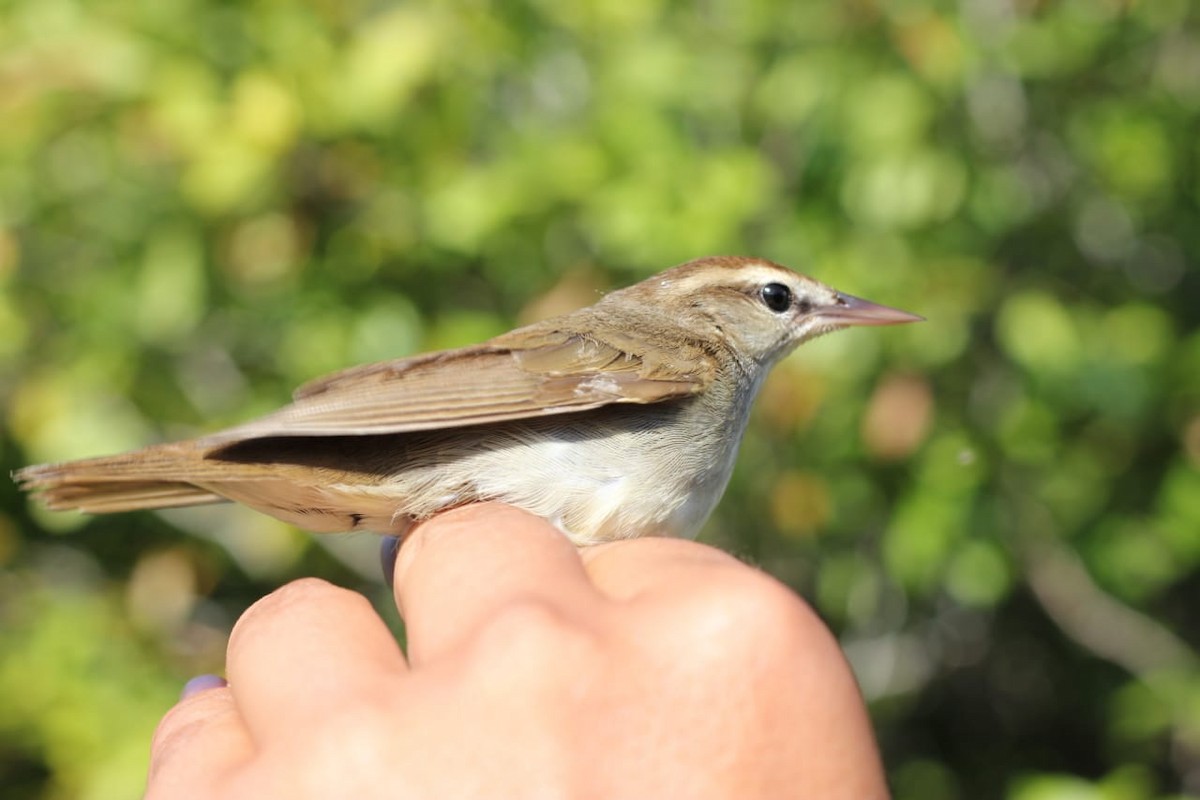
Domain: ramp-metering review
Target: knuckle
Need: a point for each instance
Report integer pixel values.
(745, 611)
(298, 593)
(361, 729)
(532, 636)
(526, 622)
(173, 730)
(185, 722)
(362, 733)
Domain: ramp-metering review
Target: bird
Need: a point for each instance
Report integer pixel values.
(614, 421)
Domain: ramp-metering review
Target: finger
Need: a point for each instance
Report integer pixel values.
(701, 601)
(463, 568)
(636, 568)
(305, 651)
(199, 744)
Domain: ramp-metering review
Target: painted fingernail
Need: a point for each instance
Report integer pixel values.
(202, 683)
(388, 548)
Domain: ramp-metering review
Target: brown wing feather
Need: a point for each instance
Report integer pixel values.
(528, 373)
(531, 372)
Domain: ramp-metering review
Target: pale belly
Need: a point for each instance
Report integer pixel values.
(636, 472)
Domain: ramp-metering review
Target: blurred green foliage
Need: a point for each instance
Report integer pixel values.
(205, 204)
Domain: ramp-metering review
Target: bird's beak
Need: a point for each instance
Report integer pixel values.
(851, 310)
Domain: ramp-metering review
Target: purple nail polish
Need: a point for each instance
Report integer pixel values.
(388, 548)
(202, 683)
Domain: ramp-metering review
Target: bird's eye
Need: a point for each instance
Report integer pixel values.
(776, 297)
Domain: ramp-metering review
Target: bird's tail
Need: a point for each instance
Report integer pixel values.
(204, 471)
(154, 477)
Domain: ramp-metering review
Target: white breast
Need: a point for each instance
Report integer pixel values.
(662, 479)
(615, 474)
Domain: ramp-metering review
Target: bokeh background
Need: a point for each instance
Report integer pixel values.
(204, 204)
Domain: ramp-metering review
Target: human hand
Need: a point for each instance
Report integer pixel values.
(643, 668)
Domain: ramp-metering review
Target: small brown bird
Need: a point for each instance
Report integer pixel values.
(618, 420)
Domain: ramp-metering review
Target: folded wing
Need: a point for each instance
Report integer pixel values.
(525, 374)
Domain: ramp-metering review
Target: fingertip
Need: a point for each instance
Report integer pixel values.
(476, 532)
(199, 740)
(303, 650)
(457, 571)
(628, 568)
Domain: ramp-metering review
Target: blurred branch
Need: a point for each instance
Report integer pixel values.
(1097, 621)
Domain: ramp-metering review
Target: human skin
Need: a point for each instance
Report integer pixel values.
(643, 668)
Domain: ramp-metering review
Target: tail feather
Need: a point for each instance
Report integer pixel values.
(156, 477)
(186, 473)
(110, 498)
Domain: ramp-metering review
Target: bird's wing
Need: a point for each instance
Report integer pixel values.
(528, 373)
